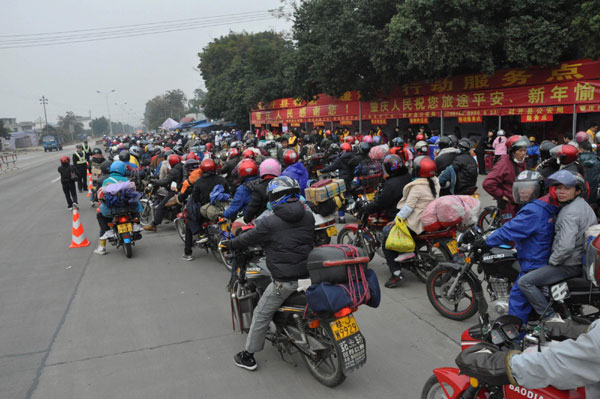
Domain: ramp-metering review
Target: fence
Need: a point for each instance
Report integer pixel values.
(8, 161)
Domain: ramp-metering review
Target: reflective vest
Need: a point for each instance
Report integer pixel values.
(86, 150)
(80, 159)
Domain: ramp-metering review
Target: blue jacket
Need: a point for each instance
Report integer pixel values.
(241, 199)
(533, 150)
(298, 172)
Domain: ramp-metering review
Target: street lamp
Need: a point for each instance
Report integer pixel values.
(108, 108)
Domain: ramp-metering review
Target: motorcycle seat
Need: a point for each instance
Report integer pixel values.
(578, 284)
(296, 299)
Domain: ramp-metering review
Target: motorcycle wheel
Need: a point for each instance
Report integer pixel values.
(180, 227)
(327, 368)
(128, 250)
(348, 237)
(147, 215)
(429, 257)
(486, 220)
(438, 283)
(321, 238)
(434, 390)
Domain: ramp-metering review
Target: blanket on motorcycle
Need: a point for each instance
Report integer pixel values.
(379, 152)
(121, 195)
(450, 210)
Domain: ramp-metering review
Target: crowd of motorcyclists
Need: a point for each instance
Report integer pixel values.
(546, 192)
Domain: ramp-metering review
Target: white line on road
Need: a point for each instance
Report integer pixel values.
(56, 179)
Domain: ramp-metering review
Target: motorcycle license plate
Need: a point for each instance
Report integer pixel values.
(452, 247)
(124, 228)
(331, 231)
(344, 327)
(370, 196)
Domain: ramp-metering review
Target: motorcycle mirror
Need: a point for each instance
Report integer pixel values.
(560, 291)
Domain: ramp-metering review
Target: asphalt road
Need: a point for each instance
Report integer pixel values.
(77, 325)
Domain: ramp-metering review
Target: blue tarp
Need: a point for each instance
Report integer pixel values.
(203, 125)
(185, 125)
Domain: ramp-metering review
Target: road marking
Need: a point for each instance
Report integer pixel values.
(55, 180)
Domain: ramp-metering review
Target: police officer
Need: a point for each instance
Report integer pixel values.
(80, 163)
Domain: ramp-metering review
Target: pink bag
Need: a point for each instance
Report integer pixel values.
(379, 152)
(450, 210)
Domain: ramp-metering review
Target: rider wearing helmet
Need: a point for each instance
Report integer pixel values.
(566, 156)
(533, 153)
(228, 168)
(193, 173)
(295, 169)
(532, 230)
(67, 179)
(247, 171)
(396, 177)
(135, 153)
(461, 177)
(498, 183)
(175, 175)
(445, 157)
(269, 169)
(421, 148)
(342, 163)
(568, 247)
(286, 235)
(416, 195)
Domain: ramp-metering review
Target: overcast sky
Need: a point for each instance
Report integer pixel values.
(138, 68)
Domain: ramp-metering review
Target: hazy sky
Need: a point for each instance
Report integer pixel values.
(138, 68)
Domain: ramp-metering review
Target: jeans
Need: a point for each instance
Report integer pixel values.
(274, 296)
(103, 222)
(70, 193)
(160, 209)
(189, 240)
(544, 276)
(390, 255)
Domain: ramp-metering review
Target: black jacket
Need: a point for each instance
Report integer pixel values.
(175, 175)
(205, 184)
(443, 160)
(466, 173)
(287, 237)
(259, 200)
(229, 166)
(342, 163)
(390, 194)
(65, 173)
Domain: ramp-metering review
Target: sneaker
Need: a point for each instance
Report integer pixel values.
(187, 257)
(203, 239)
(70, 208)
(150, 227)
(404, 256)
(245, 360)
(108, 234)
(100, 251)
(75, 204)
(394, 281)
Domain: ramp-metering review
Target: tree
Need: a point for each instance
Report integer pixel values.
(196, 104)
(4, 132)
(68, 127)
(100, 126)
(241, 69)
(172, 104)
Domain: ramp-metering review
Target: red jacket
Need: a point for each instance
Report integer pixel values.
(499, 181)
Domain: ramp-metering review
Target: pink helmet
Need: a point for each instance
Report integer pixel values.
(269, 166)
(580, 137)
(367, 139)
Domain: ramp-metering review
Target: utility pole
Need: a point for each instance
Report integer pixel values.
(91, 126)
(44, 101)
(108, 108)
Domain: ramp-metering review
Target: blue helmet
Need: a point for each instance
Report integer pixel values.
(118, 167)
(281, 189)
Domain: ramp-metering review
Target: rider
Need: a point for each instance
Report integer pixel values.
(568, 246)
(295, 169)
(287, 238)
(591, 165)
(532, 230)
(343, 164)
(175, 176)
(461, 178)
(248, 174)
(268, 170)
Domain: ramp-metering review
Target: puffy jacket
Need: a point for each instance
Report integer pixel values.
(417, 195)
(569, 239)
(499, 145)
(204, 185)
(258, 202)
(174, 175)
(65, 173)
(287, 238)
(466, 173)
(547, 167)
(591, 166)
(389, 195)
(297, 171)
(499, 181)
(445, 159)
(229, 166)
(242, 197)
(341, 163)
(188, 183)
(567, 365)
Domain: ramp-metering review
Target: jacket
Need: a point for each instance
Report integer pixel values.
(341, 163)
(389, 195)
(466, 173)
(114, 178)
(417, 195)
(65, 172)
(499, 181)
(287, 238)
(298, 172)
(229, 166)
(188, 183)
(204, 185)
(591, 166)
(242, 198)
(569, 238)
(444, 159)
(258, 202)
(566, 365)
(499, 145)
(174, 175)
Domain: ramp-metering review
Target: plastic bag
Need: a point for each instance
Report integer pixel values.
(399, 239)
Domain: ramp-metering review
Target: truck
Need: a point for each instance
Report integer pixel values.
(51, 142)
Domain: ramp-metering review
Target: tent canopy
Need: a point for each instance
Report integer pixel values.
(169, 124)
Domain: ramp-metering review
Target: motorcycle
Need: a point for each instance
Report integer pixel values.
(124, 234)
(505, 333)
(330, 347)
(452, 286)
(152, 196)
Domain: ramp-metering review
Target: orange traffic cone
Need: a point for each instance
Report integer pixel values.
(78, 239)
(89, 194)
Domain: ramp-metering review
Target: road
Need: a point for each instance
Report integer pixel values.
(78, 325)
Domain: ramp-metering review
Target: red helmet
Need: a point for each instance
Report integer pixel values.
(65, 159)
(565, 153)
(209, 146)
(290, 156)
(516, 142)
(191, 155)
(174, 160)
(349, 139)
(233, 152)
(249, 154)
(208, 165)
(247, 167)
(424, 166)
(327, 132)
(346, 147)
(420, 137)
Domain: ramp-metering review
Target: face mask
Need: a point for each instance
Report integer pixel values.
(516, 161)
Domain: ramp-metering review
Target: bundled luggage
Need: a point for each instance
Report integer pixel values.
(323, 190)
(450, 210)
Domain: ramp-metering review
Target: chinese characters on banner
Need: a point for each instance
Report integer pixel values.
(529, 118)
(470, 119)
(418, 121)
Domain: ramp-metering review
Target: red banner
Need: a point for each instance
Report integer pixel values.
(470, 119)
(378, 121)
(418, 121)
(529, 118)
(346, 123)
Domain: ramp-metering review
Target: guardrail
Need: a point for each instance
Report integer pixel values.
(8, 161)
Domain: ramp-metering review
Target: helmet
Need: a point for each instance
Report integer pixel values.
(367, 139)
(454, 140)
(191, 155)
(191, 164)
(327, 132)
(501, 133)
(464, 145)
(174, 159)
(516, 142)
(528, 186)
(97, 151)
(563, 177)
(290, 157)
(349, 139)
(346, 147)
(250, 143)
(364, 147)
(178, 149)
(233, 152)
(209, 147)
(118, 167)
(306, 139)
(65, 159)
(565, 153)
(421, 148)
(420, 137)
(282, 188)
(444, 142)
(269, 166)
(248, 154)
(531, 139)
(424, 166)
(392, 164)
(581, 137)
(598, 137)
(124, 156)
(397, 142)
(208, 165)
(545, 148)
(235, 144)
(247, 168)
(135, 151)
(334, 148)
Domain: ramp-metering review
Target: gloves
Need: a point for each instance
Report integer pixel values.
(480, 245)
(487, 363)
(565, 329)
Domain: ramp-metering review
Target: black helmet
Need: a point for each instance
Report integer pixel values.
(306, 139)
(364, 147)
(545, 148)
(124, 156)
(444, 142)
(334, 148)
(454, 140)
(528, 185)
(249, 143)
(97, 151)
(178, 149)
(464, 145)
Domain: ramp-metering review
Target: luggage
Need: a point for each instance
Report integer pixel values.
(379, 152)
(213, 211)
(400, 239)
(450, 210)
(323, 190)
(336, 263)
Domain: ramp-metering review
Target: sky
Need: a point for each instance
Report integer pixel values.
(137, 68)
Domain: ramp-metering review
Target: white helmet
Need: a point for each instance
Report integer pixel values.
(501, 133)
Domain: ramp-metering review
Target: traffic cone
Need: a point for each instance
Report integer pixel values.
(78, 239)
(89, 194)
